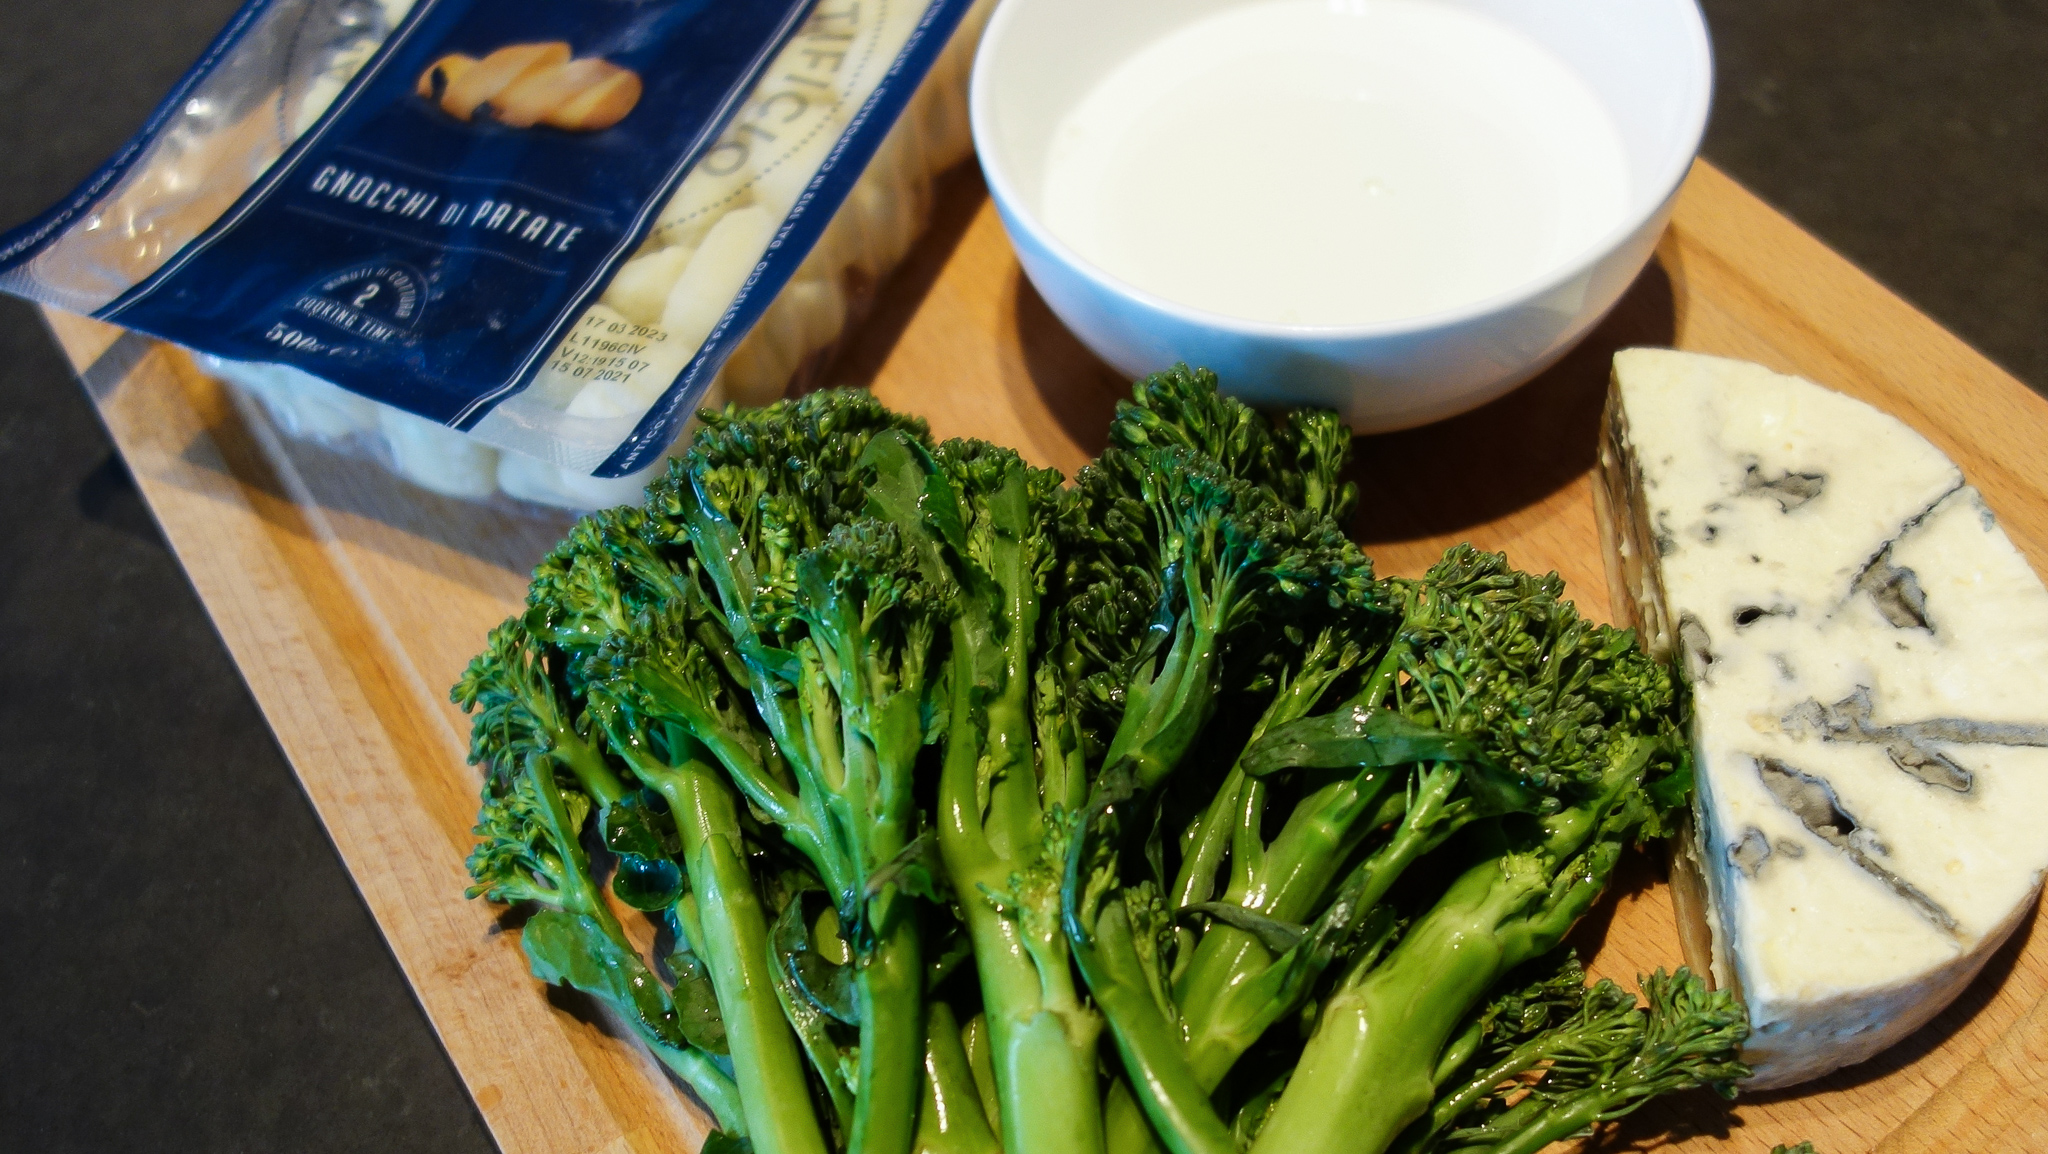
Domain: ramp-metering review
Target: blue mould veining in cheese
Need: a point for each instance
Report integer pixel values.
(1868, 655)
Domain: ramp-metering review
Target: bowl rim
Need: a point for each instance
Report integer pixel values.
(1699, 45)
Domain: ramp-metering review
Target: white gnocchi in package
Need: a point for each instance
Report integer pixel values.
(512, 247)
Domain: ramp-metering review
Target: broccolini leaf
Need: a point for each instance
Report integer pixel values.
(915, 870)
(825, 984)
(647, 877)
(695, 1000)
(720, 1142)
(1251, 1117)
(1357, 736)
(817, 1029)
(574, 950)
(1277, 936)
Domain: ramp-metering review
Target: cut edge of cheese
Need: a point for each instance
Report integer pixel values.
(1791, 1041)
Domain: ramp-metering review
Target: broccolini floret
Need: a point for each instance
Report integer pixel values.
(1549, 1069)
(821, 616)
(530, 850)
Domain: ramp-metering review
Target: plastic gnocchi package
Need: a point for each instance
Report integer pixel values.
(510, 246)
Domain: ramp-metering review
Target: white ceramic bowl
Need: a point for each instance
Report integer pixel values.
(1647, 61)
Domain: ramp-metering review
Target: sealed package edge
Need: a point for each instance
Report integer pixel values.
(512, 246)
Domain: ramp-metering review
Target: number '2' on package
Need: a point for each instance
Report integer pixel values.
(548, 227)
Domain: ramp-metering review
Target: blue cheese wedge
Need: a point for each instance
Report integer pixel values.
(1868, 656)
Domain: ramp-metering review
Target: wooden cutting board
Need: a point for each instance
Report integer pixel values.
(351, 600)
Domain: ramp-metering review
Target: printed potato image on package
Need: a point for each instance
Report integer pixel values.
(513, 247)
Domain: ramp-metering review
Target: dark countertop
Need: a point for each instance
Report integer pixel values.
(189, 966)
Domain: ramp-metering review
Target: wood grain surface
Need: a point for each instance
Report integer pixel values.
(350, 600)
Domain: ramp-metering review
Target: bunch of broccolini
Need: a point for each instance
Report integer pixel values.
(972, 810)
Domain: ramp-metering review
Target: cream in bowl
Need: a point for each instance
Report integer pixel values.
(1399, 208)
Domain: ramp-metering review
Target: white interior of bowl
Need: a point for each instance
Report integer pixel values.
(1647, 61)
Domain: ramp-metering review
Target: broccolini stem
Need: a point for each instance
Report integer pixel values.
(1153, 1054)
(974, 1040)
(890, 989)
(1166, 707)
(1207, 840)
(690, 1064)
(1124, 1126)
(992, 803)
(1225, 956)
(1218, 1027)
(578, 892)
(719, 547)
(1045, 1077)
(768, 1067)
(951, 1120)
(1042, 1038)
(739, 751)
(1476, 1087)
(1237, 810)
(1046, 1086)
(1555, 1124)
(1368, 1070)
(585, 761)
(708, 1082)
(1227, 814)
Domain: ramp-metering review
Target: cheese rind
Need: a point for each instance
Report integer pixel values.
(1868, 657)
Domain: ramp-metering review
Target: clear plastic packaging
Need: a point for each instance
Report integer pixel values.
(737, 289)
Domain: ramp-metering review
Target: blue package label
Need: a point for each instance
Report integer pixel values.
(431, 240)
